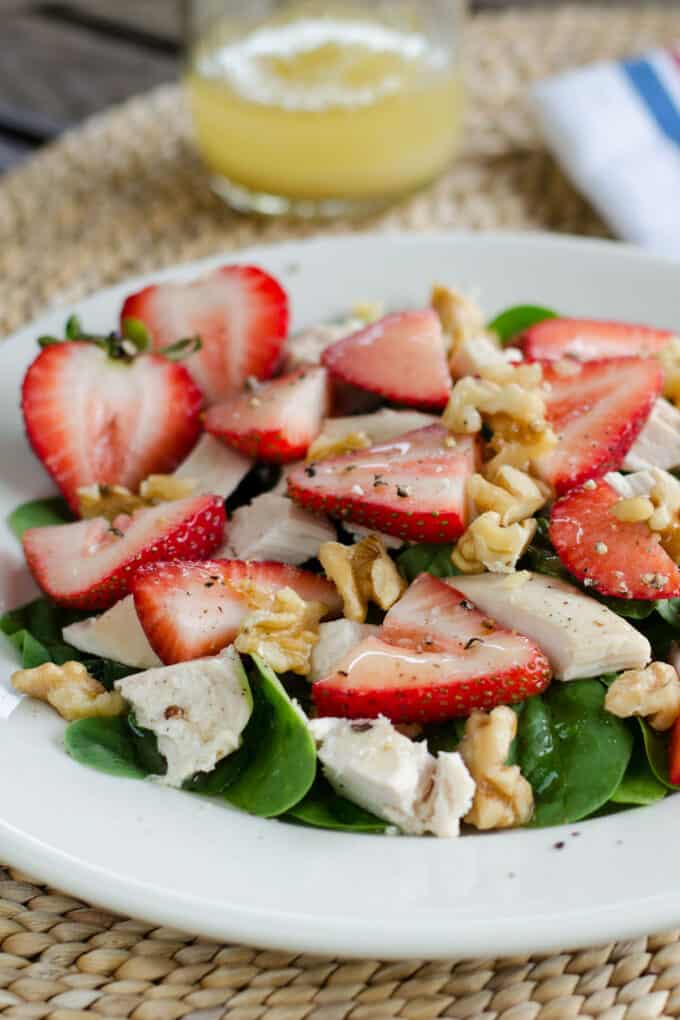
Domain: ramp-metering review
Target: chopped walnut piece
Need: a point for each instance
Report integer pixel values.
(362, 573)
(488, 544)
(107, 501)
(471, 398)
(669, 356)
(69, 689)
(282, 630)
(653, 691)
(460, 317)
(321, 448)
(165, 488)
(503, 797)
(513, 494)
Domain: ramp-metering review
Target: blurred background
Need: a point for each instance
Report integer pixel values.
(60, 62)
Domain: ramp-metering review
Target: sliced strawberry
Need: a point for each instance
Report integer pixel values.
(613, 557)
(435, 657)
(277, 420)
(240, 314)
(597, 411)
(189, 610)
(401, 357)
(590, 340)
(412, 487)
(92, 419)
(89, 564)
(674, 754)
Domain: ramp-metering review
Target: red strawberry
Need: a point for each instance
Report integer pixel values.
(412, 487)
(436, 657)
(400, 357)
(276, 420)
(590, 340)
(189, 610)
(240, 314)
(89, 564)
(92, 418)
(612, 557)
(597, 410)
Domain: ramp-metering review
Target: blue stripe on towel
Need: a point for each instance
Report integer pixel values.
(651, 89)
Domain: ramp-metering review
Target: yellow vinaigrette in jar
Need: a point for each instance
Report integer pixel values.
(324, 108)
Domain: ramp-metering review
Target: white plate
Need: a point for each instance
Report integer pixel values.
(175, 859)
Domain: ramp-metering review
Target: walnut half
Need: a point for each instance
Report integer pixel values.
(503, 797)
(282, 630)
(653, 691)
(69, 689)
(362, 573)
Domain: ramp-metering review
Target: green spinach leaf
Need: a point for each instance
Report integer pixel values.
(281, 762)
(38, 514)
(426, 558)
(572, 751)
(656, 749)
(639, 784)
(509, 323)
(323, 808)
(107, 745)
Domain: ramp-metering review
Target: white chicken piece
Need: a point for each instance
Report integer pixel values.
(336, 639)
(116, 634)
(198, 711)
(216, 468)
(580, 636)
(272, 527)
(658, 444)
(379, 427)
(640, 483)
(370, 763)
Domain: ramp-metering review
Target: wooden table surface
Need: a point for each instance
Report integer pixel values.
(60, 62)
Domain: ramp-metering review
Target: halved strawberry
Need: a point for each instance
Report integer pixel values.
(240, 314)
(89, 564)
(401, 357)
(412, 487)
(613, 557)
(597, 411)
(590, 340)
(189, 610)
(91, 418)
(276, 420)
(435, 657)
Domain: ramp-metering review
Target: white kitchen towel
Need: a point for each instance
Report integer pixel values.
(615, 130)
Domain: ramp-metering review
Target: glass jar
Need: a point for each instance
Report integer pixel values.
(319, 108)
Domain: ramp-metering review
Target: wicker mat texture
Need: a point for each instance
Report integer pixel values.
(124, 194)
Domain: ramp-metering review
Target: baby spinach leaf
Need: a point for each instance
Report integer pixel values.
(573, 753)
(282, 757)
(107, 745)
(656, 749)
(323, 808)
(426, 558)
(630, 609)
(38, 514)
(226, 772)
(509, 323)
(639, 784)
(669, 610)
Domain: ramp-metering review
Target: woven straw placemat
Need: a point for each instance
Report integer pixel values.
(124, 194)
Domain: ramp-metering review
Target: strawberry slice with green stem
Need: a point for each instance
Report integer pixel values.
(622, 559)
(597, 410)
(412, 487)
(590, 340)
(239, 312)
(99, 411)
(274, 421)
(436, 657)
(401, 358)
(90, 564)
(190, 610)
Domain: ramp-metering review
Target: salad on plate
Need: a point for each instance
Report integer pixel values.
(411, 571)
